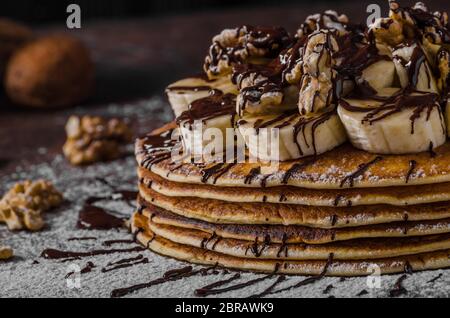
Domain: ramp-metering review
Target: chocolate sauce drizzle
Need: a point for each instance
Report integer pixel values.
(268, 290)
(362, 168)
(309, 280)
(124, 263)
(57, 254)
(203, 291)
(112, 242)
(254, 172)
(412, 167)
(398, 288)
(215, 105)
(172, 275)
(87, 269)
(157, 148)
(295, 168)
(206, 292)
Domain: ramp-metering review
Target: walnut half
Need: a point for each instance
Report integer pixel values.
(21, 207)
(91, 139)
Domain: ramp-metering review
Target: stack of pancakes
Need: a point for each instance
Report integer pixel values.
(344, 213)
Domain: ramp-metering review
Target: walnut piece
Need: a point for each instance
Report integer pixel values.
(91, 139)
(5, 252)
(21, 207)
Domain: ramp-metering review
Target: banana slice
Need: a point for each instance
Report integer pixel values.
(295, 136)
(413, 69)
(204, 125)
(185, 91)
(394, 125)
(447, 114)
(379, 75)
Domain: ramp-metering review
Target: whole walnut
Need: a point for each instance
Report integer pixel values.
(53, 71)
(12, 36)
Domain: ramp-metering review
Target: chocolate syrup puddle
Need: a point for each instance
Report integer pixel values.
(65, 255)
(269, 289)
(86, 269)
(95, 218)
(362, 168)
(398, 289)
(124, 263)
(234, 287)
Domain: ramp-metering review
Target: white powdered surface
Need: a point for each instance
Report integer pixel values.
(21, 278)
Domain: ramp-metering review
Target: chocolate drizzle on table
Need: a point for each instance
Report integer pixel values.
(62, 255)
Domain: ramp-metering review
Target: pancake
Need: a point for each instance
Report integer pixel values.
(160, 245)
(344, 167)
(222, 212)
(344, 250)
(287, 234)
(294, 195)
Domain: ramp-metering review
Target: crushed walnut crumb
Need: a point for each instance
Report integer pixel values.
(6, 253)
(21, 207)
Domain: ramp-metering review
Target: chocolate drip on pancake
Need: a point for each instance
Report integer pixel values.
(157, 148)
(215, 105)
(362, 168)
(412, 167)
(254, 172)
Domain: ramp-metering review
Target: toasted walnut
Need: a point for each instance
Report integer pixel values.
(5, 253)
(318, 57)
(316, 94)
(330, 20)
(235, 46)
(22, 205)
(91, 139)
(388, 31)
(444, 70)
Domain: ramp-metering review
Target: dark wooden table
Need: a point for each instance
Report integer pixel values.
(137, 59)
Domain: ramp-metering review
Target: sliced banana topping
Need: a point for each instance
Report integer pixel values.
(185, 91)
(398, 124)
(290, 135)
(413, 68)
(206, 123)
